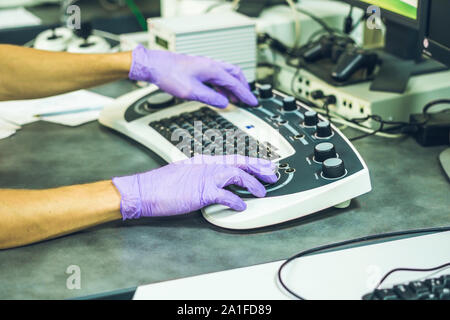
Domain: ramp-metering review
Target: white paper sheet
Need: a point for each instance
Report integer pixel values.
(24, 111)
(74, 119)
(18, 17)
(7, 129)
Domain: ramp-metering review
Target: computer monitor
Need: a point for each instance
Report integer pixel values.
(436, 44)
(435, 30)
(403, 19)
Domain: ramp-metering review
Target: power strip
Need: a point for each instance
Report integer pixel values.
(357, 101)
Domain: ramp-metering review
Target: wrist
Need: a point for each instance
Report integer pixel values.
(124, 62)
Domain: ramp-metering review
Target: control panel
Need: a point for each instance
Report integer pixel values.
(317, 166)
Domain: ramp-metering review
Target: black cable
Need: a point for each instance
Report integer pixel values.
(429, 105)
(434, 103)
(379, 129)
(363, 17)
(348, 22)
(348, 242)
(406, 269)
(274, 44)
(402, 126)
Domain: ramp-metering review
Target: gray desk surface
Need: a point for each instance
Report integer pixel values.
(409, 191)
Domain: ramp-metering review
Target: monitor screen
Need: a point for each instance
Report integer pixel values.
(438, 25)
(436, 39)
(406, 8)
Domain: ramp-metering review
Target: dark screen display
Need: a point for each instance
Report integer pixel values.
(439, 24)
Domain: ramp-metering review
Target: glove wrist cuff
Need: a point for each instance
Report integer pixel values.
(140, 66)
(130, 202)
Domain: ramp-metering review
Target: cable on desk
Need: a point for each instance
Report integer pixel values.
(406, 269)
(349, 242)
(411, 126)
(353, 123)
(336, 118)
(429, 105)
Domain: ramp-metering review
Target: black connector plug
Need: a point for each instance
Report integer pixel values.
(331, 99)
(432, 129)
(317, 94)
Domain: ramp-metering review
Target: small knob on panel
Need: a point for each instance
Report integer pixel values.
(265, 91)
(333, 168)
(289, 104)
(311, 118)
(324, 129)
(324, 151)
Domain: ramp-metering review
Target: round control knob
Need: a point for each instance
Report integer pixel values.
(324, 151)
(324, 129)
(265, 91)
(159, 100)
(333, 168)
(311, 118)
(289, 104)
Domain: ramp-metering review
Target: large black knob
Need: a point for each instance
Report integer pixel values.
(159, 100)
(265, 91)
(311, 118)
(324, 129)
(289, 104)
(324, 151)
(333, 168)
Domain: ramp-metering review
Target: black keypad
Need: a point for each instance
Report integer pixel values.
(429, 289)
(225, 139)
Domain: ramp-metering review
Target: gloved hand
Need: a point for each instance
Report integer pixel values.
(189, 185)
(185, 77)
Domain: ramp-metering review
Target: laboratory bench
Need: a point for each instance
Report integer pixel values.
(410, 191)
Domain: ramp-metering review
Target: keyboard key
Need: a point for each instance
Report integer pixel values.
(419, 288)
(430, 296)
(443, 294)
(370, 296)
(446, 280)
(404, 292)
(434, 284)
(386, 294)
(234, 140)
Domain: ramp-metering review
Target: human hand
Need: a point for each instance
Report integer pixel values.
(192, 184)
(186, 77)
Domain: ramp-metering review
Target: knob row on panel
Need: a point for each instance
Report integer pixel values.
(323, 128)
(311, 118)
(289, 103)
(332, 166)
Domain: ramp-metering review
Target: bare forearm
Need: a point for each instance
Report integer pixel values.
(28, 216)
(28, 73)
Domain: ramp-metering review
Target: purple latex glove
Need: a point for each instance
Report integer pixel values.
(186, 77)
(189, 185)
